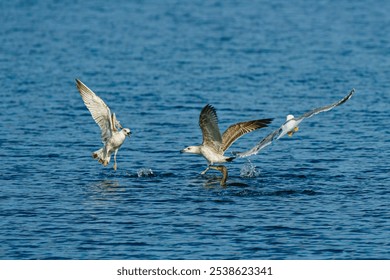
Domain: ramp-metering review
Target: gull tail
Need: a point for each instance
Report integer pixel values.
(229, 159)
(101, 156)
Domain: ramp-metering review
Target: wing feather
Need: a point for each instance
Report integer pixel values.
(100, 112)
(208, 122)
(328, 107)
(261, 145)
(237, 130)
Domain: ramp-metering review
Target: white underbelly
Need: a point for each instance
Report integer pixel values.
(116, 141)
(211, 156)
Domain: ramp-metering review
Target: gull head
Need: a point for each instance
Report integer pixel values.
(289, 117)
(191, 150)
(126, 131)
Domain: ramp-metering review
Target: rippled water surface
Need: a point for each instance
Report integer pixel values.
(322, 194)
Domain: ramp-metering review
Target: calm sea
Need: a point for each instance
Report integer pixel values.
(322, 194)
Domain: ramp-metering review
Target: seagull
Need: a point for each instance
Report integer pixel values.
(290, 126)
(214, 144)
(112, 133)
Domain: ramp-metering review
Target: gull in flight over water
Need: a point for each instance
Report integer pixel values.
(223, 170)
(290, 127)
(214, 144)
(112, 133)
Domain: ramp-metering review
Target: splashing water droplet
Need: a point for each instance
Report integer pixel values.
(145, 172)
(249, 170)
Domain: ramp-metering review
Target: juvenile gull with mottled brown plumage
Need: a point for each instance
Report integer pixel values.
(290, 126)
(214, 144)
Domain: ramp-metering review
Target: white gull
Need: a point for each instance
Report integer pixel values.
(112, 137)
(214, 144)
(290, 127)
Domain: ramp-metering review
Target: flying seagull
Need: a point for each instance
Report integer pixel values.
(214, 144)
(112, 133)
(290, 127)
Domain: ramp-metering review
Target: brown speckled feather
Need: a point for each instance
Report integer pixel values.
(237, 130)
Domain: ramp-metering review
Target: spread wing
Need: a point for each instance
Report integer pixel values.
(237, 130)
(280, 131)
(100, 112)
(326, 108)
(208, 122)
(261, 145)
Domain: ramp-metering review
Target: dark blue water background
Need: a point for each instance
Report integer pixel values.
(322, 194)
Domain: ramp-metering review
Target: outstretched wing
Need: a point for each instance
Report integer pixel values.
(326, 108)
(100, 112)
(237, 130)
(208, 122)
(281, 131)
(261, 145)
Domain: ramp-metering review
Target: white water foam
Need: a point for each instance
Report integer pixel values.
(248, 170)
(145, 172)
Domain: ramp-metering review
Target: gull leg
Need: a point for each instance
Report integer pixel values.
(223, 170)
(204, 171)
(296, 128)
(115, 159)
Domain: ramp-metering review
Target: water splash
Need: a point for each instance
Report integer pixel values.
(145, 172)
(248, 170)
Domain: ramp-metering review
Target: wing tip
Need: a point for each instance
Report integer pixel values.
(79, 84)
(263, 122)
(78, 81)
(209, 107)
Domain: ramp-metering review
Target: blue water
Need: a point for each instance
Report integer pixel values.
(322, 194)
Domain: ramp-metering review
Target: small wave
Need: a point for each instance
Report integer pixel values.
(145, 172)
(249, 170)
